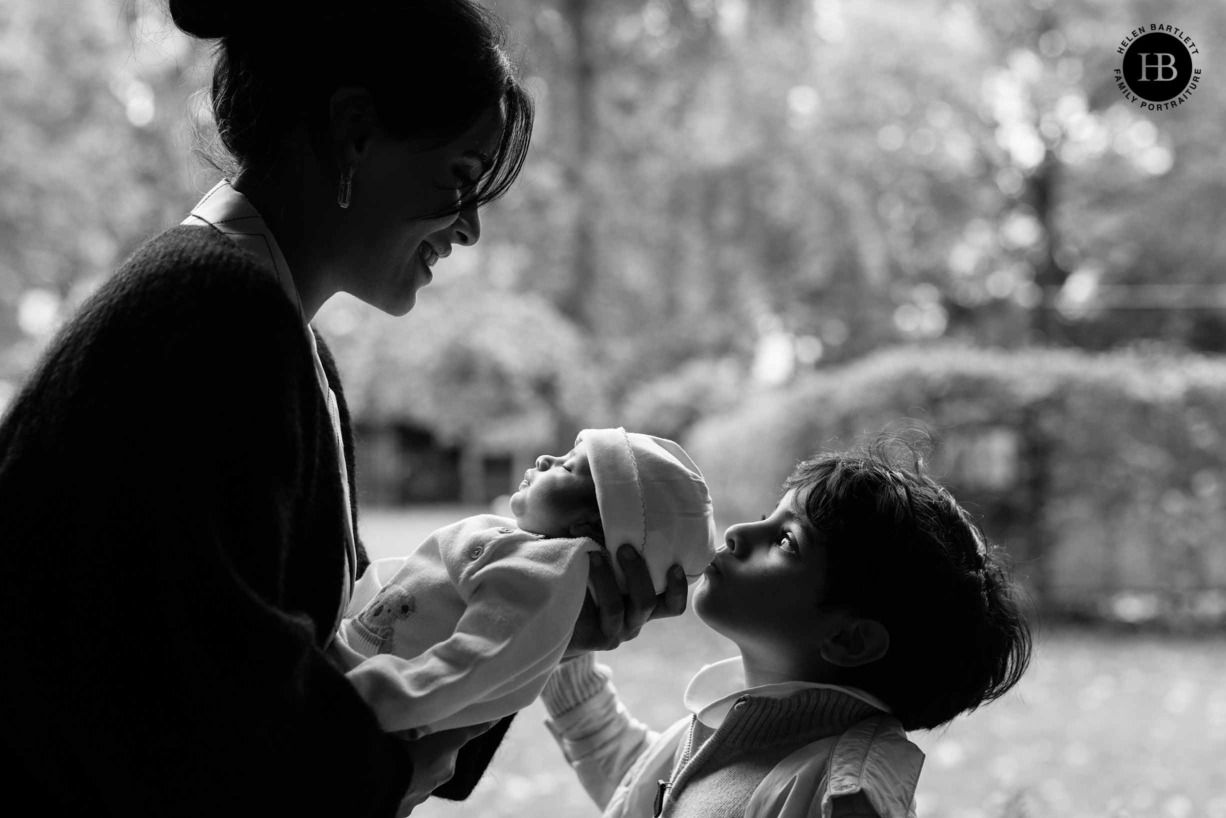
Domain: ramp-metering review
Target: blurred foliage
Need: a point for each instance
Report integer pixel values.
(92, 159)
(706, 173)
(1103, 475)
(724, 196)
(668, 405)
(502, 371)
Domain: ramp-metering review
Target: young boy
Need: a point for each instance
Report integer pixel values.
(865, 604)
(468, 627)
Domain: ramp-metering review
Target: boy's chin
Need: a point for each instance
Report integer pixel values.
(717, 611)
(701, 599)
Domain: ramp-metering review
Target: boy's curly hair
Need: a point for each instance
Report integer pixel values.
(902, 551)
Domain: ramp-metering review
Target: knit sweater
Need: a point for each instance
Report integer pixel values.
(171, 524)
(771, 755)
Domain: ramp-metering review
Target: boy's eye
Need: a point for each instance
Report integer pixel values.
(787, 543)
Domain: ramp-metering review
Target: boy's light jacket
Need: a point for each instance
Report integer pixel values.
(783, 753)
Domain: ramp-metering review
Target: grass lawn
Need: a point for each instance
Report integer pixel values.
(1102, 725)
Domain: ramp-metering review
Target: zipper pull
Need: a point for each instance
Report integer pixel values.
(661, 794)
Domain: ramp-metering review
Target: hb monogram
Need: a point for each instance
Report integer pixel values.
(1160, 64)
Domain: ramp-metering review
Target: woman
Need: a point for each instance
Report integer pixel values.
(176, 476)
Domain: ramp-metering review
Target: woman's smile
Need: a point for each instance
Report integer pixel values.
(427, 254)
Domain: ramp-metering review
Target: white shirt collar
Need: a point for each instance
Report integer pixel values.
(232, 213)
(229, 211)
(715, 689)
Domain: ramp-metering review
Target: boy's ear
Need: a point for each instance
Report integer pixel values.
(857, 642)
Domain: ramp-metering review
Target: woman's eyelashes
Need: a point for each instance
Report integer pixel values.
(468, 174)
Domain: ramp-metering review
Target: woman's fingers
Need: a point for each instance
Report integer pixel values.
(676, 591)
(602, 583)
(640, 591)
(609, 617)
(434, 759)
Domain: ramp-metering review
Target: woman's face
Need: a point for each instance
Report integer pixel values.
(391, 238)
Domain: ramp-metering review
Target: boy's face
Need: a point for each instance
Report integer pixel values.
(557, 498)
(764, 587)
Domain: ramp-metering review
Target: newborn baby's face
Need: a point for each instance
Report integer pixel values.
(557, 498)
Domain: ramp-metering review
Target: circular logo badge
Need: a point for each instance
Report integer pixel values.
(1157, 67)
(1158, 71)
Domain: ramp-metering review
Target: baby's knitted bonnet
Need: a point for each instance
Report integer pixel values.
(651, 496)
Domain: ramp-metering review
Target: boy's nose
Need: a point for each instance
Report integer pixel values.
(742, 538)
(734, 540)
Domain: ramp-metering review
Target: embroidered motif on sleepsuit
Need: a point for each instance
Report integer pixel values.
(391, 605)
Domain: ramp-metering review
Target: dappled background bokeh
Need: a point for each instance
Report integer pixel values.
(764, 229)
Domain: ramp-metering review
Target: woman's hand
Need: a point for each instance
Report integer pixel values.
(607, 618)
(434, 760)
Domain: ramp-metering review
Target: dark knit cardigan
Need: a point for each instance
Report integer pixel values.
(172, 557)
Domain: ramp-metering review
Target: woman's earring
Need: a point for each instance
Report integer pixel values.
(344, 194)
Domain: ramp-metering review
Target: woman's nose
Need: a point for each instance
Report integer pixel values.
(467, 227)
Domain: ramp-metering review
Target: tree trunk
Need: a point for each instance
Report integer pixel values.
(577, 297)
(1049, 275)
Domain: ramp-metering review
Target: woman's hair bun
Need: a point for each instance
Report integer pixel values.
(213, 19)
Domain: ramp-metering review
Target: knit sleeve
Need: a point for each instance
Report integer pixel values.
(616, 757)
(159, 455)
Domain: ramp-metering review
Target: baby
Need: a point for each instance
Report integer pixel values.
(468, 628)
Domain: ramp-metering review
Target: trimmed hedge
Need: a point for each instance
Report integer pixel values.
(1104, 475)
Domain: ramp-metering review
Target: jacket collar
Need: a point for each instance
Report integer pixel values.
(716, 688)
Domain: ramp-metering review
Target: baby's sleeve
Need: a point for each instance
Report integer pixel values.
(522, 595)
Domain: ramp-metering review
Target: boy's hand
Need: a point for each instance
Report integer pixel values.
(607, 618)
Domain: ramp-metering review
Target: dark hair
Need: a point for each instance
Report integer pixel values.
(902, 551)
(432, 68)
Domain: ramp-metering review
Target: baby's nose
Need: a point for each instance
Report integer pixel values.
(542, 463)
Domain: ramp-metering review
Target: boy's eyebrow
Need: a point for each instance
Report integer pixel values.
(790, 516)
